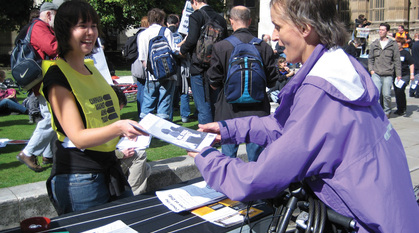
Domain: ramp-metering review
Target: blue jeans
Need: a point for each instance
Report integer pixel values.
(185, 110)
(44, 136)
(75, 192)
(7, 105)
(140, 95)
(253, 150)
(384, 84)
(158, 96)
(205, 109)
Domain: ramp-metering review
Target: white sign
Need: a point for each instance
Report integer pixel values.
(184, 21)
(100, 63)
(362, 32)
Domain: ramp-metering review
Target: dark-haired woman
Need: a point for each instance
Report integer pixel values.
(86, 117)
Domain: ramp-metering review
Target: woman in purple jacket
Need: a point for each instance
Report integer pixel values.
(328, 130)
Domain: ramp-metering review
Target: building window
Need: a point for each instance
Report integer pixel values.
(377, 10)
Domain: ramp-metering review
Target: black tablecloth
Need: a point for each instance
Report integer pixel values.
(144, 213)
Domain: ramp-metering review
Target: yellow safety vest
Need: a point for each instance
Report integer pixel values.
(403, 35)
(98, 100)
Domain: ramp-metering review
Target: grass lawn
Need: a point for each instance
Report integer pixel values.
(16, 127)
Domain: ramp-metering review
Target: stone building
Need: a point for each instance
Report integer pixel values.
(394, 12)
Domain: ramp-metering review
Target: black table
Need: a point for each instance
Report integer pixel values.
(143, 213)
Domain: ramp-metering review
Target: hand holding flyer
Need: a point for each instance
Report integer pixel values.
(183, 137)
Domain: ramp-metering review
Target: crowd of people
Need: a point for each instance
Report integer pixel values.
(337, 140)
(393, 61)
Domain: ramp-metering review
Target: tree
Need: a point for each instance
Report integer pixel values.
(14, 15)
(115, 15)
(120, 14)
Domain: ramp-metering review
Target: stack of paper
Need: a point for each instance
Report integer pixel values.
(189, 197)
(226, 213)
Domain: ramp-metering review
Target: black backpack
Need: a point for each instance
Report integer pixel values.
(25, 62)
(211, 32)
(130, 50)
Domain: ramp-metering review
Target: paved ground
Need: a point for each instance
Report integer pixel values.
(407, 127)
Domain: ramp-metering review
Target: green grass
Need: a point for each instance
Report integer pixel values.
(15, 127)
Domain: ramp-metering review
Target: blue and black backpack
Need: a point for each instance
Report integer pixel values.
(161, 61)
(246, 79)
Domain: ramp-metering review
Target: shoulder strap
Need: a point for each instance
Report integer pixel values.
(161, 32)
(234, 40)
(28, 34)
(255, 41)
(205, 14)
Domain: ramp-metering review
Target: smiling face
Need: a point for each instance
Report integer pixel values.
(288, 35)
(83, 37)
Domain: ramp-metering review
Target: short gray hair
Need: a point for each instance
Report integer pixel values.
(319, 14)
(240, 13)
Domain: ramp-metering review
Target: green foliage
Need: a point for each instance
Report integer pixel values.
(116, 15)
(14, 15)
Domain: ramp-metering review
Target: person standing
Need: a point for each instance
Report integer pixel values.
(414, 90)
(86, 117)
(383, 62)
(240, 21)
(408, 73)
(182, 84)
(158, 94)
(45, 44)
(138, 70)
(329, 131)
(401, 33)
(198, 83)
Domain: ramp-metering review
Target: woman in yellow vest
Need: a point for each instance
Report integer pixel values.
(86, 117)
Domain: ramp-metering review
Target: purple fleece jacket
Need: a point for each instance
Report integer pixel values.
(329, 128)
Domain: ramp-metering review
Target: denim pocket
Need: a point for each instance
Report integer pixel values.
(82, 179)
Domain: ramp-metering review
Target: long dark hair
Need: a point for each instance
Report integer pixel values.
(68, 15)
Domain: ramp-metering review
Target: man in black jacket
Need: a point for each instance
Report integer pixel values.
(196, 21)
(240, 21)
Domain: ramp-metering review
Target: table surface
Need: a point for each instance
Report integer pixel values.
(143, 213)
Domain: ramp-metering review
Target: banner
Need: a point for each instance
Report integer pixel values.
(362, 32)
(184, 21)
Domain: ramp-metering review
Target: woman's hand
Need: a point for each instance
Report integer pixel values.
(211, 128)
(193, 154)
(130, 129)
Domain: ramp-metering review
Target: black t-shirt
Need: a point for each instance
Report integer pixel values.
(55, 76)
(406, 61)
(73, 160)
